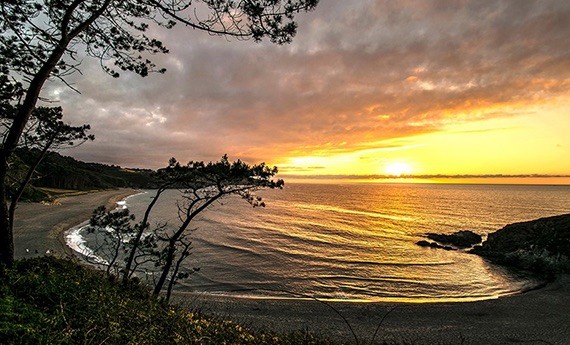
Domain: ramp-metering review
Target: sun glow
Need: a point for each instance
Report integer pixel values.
(534, 143)
(398, 169)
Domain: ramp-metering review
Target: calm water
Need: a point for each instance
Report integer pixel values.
(357, 241)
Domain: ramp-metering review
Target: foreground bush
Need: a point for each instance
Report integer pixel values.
(53, 301)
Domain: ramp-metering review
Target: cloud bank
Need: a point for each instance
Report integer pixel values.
(357, 73)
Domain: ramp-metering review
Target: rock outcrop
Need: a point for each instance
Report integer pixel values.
(424, 243)
(541, 245)
(458, 240)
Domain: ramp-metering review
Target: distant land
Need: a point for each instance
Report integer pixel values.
(539, 179)
(61, 172)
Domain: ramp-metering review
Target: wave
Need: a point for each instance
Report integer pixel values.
(320, 207)
(75, 241)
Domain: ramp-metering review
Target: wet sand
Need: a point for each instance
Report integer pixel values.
(537, 317)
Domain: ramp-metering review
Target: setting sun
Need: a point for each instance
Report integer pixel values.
(398, 169)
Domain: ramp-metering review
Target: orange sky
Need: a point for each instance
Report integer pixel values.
(536, 140)
(367, 87)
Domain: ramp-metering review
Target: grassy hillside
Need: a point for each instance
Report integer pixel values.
(54, 301)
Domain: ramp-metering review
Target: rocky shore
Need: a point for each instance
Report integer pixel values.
(459, 240)
(541, 246)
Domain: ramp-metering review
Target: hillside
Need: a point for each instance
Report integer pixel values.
(53, 301)
(57, 171)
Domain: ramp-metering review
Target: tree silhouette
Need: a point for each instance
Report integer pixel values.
(41, 40)
(200, 186)
(170, 177)
(45, 131)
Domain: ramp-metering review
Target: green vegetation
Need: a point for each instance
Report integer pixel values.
(57, 171)
(54, 301)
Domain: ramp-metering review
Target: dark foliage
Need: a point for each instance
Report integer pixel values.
(53, 301)
(57, 171)
(168, 245)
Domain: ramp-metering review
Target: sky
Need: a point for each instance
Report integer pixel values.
(366, 88)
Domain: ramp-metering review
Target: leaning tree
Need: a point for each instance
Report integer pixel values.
(44, 132)
(124, 249)
(41, 40)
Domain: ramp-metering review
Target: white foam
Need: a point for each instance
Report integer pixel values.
(75, 241)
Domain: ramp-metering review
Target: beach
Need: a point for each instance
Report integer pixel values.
(39, 228)
(540, 316)
(537, 317)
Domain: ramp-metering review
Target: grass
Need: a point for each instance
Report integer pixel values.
(53, 193)
(55, 301)
(41, 194)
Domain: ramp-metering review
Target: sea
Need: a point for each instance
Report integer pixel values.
(349, 241)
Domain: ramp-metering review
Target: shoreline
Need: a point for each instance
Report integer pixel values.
(299, 297)
(39, 228)
(537, 316)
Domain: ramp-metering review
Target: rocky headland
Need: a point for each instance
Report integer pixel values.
(541, 245)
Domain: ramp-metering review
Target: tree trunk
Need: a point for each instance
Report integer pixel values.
(23, 115)
(16, 197)
(6, 234)
(14, 134)
(176, 236)
(165, 268)
(174, 275)
(143, 225)
(10, 143)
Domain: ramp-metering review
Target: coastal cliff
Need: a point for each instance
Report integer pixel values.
(541, 246)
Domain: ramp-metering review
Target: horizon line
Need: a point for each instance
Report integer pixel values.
(423, 176)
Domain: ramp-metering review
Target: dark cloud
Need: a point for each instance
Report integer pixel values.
(358, 72)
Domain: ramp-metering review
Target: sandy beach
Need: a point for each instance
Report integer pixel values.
(537, 317)
(39, 228)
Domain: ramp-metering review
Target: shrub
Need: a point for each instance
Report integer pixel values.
(54, 301)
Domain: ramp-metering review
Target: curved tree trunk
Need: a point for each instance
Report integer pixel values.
(6, 234)
(141, 229)
(9, 145)
(18, 194)
(176, 237)
(23, 115)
